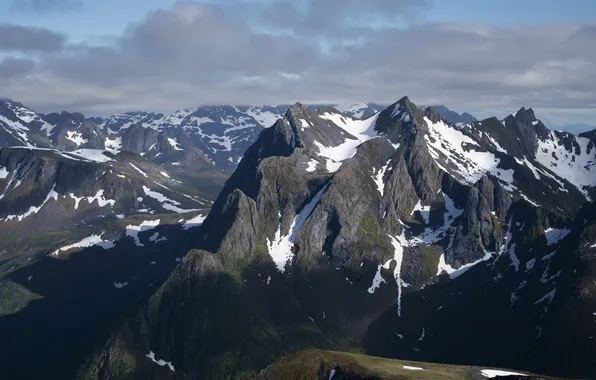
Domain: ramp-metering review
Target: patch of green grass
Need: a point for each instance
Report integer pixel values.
(317, 364)
(429, 259)
(370, 237)
(14, 297)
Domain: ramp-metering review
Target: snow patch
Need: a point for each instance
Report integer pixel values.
(3, 173)
(93, 240)
(166, 203)
(491, 373)
(120, 285)
(95, 155)
(362, 130)
(413, 368)
(33, 209)
(452, 272)
(113, 146)
(138, 170)
(76, 137)
(133, 231)
(378, 178)
(423, 210)
(193, 222)
(312, 165)
(160, 362)
(553, 235)
(377, 280)
(174, 143)
(280, 248)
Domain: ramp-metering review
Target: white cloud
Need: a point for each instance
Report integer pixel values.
(202, 53)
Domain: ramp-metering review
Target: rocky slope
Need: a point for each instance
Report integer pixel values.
(401, 234)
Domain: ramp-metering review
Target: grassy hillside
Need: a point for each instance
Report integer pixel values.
(317, 364)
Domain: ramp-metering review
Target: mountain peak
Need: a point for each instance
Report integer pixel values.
(525, 115)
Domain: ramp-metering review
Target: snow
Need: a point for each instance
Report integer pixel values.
(100, 200)
(452, 272)
(378, 178)
(165, 174)
(76, 137)
(3, 173)
(160, 362)
(174, 143)
(133, 231)
(280, 248)
(530, 264)
(265, 118)
(304, 124)
(33, 209)
(362, 130)
(446, 143)
(548, 296)
(432, 235)
(155, 238)
(553, 235)
(357, 110)
(166, 203)
(423, 210)
(113, 146)
(413, 368)
(138, 170)
(76, 199)
(331, 374)
(377, 280)
(491, 373)
(194, 222)
(422, 334)
(312, 165)
(90, 241)
(95, 155)
(268, 280)
(120, 285)
(579, 169)
(398, 258)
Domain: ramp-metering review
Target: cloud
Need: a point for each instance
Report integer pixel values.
(284, 51)
(44, 6)
(27, 39)
(11, 67)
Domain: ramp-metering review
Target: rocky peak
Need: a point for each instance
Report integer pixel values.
(525, 115)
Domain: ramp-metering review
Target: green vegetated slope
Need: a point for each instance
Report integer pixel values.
(317, 364)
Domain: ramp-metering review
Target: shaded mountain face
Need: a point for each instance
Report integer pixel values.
(402, 235)
(85, 236)
(453, 117)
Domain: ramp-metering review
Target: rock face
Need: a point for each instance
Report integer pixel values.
(403, 235)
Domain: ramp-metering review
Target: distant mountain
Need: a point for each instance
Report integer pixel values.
(454, 117)
(402, 235)
(360, 110)
(576, 129)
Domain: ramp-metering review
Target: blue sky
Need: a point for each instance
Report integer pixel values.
(488, 57)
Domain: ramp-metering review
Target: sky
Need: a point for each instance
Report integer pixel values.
(485, 57)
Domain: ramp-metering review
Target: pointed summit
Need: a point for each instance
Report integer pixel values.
(525, 115)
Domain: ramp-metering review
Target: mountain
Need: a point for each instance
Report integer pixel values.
(454, 117)
(360, 110)
(576, 128)
(221, 133)
(401, 235)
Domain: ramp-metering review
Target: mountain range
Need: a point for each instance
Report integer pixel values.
(208, 243)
